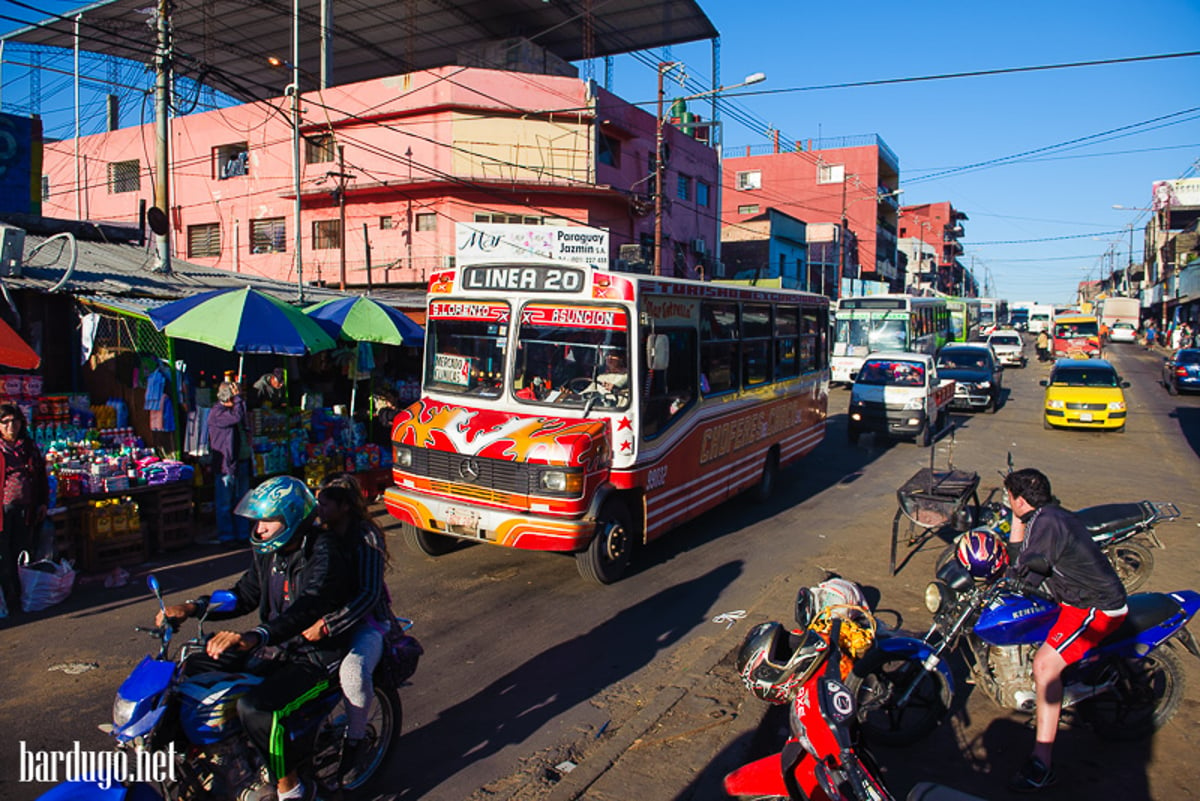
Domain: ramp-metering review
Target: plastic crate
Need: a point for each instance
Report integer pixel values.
(102, 555)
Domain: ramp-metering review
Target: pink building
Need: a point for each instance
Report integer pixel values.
(852, 179)
(931, 232)
(416, 154)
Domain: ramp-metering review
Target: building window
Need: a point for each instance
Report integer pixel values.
(387, 222)
(749, 209)
(124, 176)
(702, 194)
(751, 179)
(204, 241)
(608, 150)
(268, 236)
(426, 222)
(831, 173)
(683, 188)
(327, 234)
(506, 219)
(230, 161)
(319, 149)
(45, 186)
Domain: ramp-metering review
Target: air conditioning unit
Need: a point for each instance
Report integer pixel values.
(699, 246)
(12, 250)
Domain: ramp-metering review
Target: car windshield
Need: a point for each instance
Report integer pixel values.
(1005, 339)
(1124, 325)
(965, 359)
(885, 372)
(1084, 377)
(1188, 357)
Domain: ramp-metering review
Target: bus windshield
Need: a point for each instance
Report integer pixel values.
(572, 357)
(875, 333)
(1077, 330)
(465, 357)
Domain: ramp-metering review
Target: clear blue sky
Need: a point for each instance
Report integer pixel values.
(940, 125)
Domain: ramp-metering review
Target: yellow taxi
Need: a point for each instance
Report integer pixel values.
(1084, 393)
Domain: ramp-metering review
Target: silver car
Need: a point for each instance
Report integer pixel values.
(1008, 347)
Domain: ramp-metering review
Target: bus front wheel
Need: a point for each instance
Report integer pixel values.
(426, 542)
(607, 556)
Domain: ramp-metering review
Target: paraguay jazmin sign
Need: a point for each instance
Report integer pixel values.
(477, 243)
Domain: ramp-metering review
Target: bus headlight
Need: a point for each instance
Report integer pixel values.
(403, 456)
(561, 481)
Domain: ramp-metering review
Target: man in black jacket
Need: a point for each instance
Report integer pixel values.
(299, 574)
(1046, 537)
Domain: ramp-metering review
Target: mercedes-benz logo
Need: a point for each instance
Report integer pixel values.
(468, 470)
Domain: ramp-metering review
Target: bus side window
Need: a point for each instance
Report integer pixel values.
(670, 392)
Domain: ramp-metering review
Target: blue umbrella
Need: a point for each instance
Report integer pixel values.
(363, 319)
(242, 321)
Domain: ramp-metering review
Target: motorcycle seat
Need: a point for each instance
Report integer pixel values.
(1111, 517)
(1146, 609)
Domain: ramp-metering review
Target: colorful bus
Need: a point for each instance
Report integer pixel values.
(964, 318)
(577, 410)
(1077, 336)
(885, 322)
(993, 314)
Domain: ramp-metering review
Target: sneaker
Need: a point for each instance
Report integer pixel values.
(1033, 776)
(349, 765)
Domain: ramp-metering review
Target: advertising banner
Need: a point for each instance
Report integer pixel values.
(20, 164)
(478, 243)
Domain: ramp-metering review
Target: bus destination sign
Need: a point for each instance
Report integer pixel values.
(523, 277)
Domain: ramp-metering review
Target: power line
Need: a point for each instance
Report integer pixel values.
(1049, 238)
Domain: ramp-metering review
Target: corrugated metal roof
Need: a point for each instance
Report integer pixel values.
(123, 276)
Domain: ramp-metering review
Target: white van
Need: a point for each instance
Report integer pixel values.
(1041, 318)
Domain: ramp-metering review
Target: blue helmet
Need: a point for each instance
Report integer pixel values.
(282, 498)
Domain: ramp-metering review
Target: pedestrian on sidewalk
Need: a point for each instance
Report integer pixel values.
(229, 442)
(26, 493)
(1043, 346)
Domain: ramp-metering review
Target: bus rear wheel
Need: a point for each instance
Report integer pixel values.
(765, 488)
(607, 556)
(425, 542)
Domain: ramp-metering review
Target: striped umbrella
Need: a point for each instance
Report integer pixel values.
(362, 319)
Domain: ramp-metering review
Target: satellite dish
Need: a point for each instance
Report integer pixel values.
(158, 220)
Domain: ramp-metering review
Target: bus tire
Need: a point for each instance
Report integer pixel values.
(425, 542)
(765, 488)
(607, 556)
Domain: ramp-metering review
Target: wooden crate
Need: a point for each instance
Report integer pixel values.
(102, 555)
(168, 516)
(174, 529)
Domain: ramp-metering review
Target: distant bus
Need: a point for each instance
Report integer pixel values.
(1041, 317)
(964, 318)
(1077, 336)
(885, 322)
(993, 314)
(1120, 310)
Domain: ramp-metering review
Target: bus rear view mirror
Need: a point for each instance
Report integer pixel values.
(658, 352)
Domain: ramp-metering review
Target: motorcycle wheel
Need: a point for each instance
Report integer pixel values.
(383, 730)
(1147, 694)
(1133, 563)
(877, 681)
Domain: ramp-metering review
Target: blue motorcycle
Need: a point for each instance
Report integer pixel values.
(1127, 687)
(159, 710)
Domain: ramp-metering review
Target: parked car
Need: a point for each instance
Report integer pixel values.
(1123, 332)
(1084, 393)
(1008, 347)
(977, 373)
(1181, 371)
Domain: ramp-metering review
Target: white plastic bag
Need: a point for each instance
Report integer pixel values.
(44, 583)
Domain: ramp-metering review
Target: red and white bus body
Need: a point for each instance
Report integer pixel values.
(527, 436)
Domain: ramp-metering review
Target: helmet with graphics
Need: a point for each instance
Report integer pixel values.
(775, 663)
(982, 553)
(283, 498)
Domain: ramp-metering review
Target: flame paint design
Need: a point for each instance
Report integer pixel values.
(504, 435)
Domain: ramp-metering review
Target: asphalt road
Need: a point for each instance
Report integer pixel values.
(527, 665)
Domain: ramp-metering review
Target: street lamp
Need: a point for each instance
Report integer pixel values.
(663, 68)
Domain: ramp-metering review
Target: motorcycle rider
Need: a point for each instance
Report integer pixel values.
(298, 574)
(1055, 554)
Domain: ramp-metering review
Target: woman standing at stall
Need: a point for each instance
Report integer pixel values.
(26, 493)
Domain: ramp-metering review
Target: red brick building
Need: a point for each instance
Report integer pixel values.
(929, 235)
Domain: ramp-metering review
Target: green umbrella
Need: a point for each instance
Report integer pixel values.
(363, 319)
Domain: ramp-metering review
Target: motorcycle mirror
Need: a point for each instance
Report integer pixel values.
(152, 583)
(1010, 462)
(222, 601)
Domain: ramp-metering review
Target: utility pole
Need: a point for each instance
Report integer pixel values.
(296, 147)
(341, 196)
(842, 242)
(162, 88)
(658, 169)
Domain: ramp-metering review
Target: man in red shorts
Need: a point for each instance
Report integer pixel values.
(1085, 585)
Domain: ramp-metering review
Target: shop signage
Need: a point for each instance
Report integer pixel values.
(478, 243)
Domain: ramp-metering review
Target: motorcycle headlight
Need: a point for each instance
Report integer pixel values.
(122, 713)
(1116, 406)
(1056, 404)
(935, 597)
(403, 457)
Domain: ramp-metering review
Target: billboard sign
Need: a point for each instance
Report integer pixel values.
(1176, 193)
(20, 164)
(478, 243)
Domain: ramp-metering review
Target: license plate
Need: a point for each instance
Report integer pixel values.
(463, 522)
(1085, 417)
